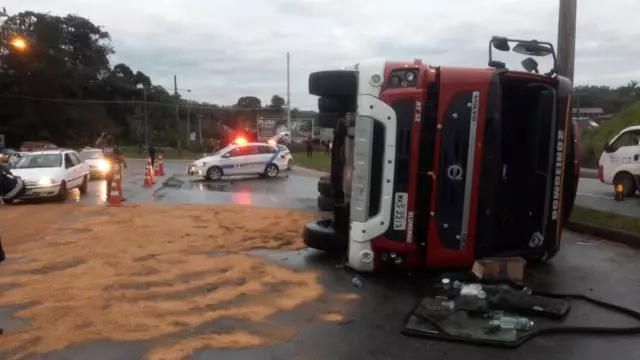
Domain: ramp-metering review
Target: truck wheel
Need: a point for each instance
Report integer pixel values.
(324, 187)
(626, 180)
(320, 235)
(334, 83)
(329, 106)
(327, 120)
(325, 203)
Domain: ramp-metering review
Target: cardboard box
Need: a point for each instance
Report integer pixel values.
(511, 268)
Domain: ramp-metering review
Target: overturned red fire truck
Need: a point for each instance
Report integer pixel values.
(434, 167)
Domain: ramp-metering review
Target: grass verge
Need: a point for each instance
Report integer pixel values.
(319, 161)
(605, 219)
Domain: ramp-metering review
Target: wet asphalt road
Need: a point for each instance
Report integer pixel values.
(294, 189)
(596, 195)
(593, 267)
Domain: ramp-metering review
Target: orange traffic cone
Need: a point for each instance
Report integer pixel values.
(116, 187)
(151, 173)
(619, 194)
(159, 167)
(148, 180)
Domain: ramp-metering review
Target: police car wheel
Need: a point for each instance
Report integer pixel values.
(214, 173)
(289, 164)
(271, 171)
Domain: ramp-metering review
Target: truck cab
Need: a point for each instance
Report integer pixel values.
(434, 167)
(619, 164)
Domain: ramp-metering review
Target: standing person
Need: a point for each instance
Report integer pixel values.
(309, 146)
(112, 155)
(152, 156)
(327, 147)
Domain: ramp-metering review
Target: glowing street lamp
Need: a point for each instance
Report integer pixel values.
(19, 43)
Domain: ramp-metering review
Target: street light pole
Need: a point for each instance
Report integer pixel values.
(188, 125)
(288, 97)
(175, 90)
(146, 119)
(567, 37)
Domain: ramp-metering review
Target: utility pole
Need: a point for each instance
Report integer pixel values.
(288, 97)
(199, 130)
(188, 125)
(175, 90)
(146, 119)
(567, 37)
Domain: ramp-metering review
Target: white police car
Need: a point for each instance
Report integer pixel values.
(243, 158)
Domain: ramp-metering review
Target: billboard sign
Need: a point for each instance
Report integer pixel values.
(270, 126)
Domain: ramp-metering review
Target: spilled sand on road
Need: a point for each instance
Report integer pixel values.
(150, 272)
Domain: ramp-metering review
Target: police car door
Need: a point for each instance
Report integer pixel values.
(263, 155)
(233, 162)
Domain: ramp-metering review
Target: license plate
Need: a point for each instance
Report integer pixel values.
(400, 211)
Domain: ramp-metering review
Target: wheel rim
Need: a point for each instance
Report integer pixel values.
(215, 174)
(272, 171)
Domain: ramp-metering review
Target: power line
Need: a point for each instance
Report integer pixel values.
(172, 104)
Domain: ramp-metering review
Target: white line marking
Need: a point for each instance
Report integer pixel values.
(596, 195)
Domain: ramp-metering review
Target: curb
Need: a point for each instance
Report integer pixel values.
(588, 173)
(309, 171)
(615, 235)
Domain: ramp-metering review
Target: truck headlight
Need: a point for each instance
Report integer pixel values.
(45, 181)
(103, 166)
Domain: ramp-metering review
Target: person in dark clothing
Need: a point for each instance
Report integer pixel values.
(152, 156)
(112, 155)
(309, 146)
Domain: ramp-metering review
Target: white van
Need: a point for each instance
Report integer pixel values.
(620, 161)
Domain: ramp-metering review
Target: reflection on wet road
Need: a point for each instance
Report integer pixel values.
(296, 189)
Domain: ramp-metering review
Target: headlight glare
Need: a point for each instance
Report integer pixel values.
(45, 181)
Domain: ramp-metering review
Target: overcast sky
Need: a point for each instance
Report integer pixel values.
(224, 49)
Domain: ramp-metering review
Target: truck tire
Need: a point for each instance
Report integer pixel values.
(325, 203)
(327, 105)
(334, 83)
(327, 120)
(320, 235)
(324, 187)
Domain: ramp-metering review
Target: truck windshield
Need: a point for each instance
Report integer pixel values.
(39, 161)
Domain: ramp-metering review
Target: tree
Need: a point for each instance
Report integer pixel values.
(277, 102)
(249, 102)
(68, 58)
